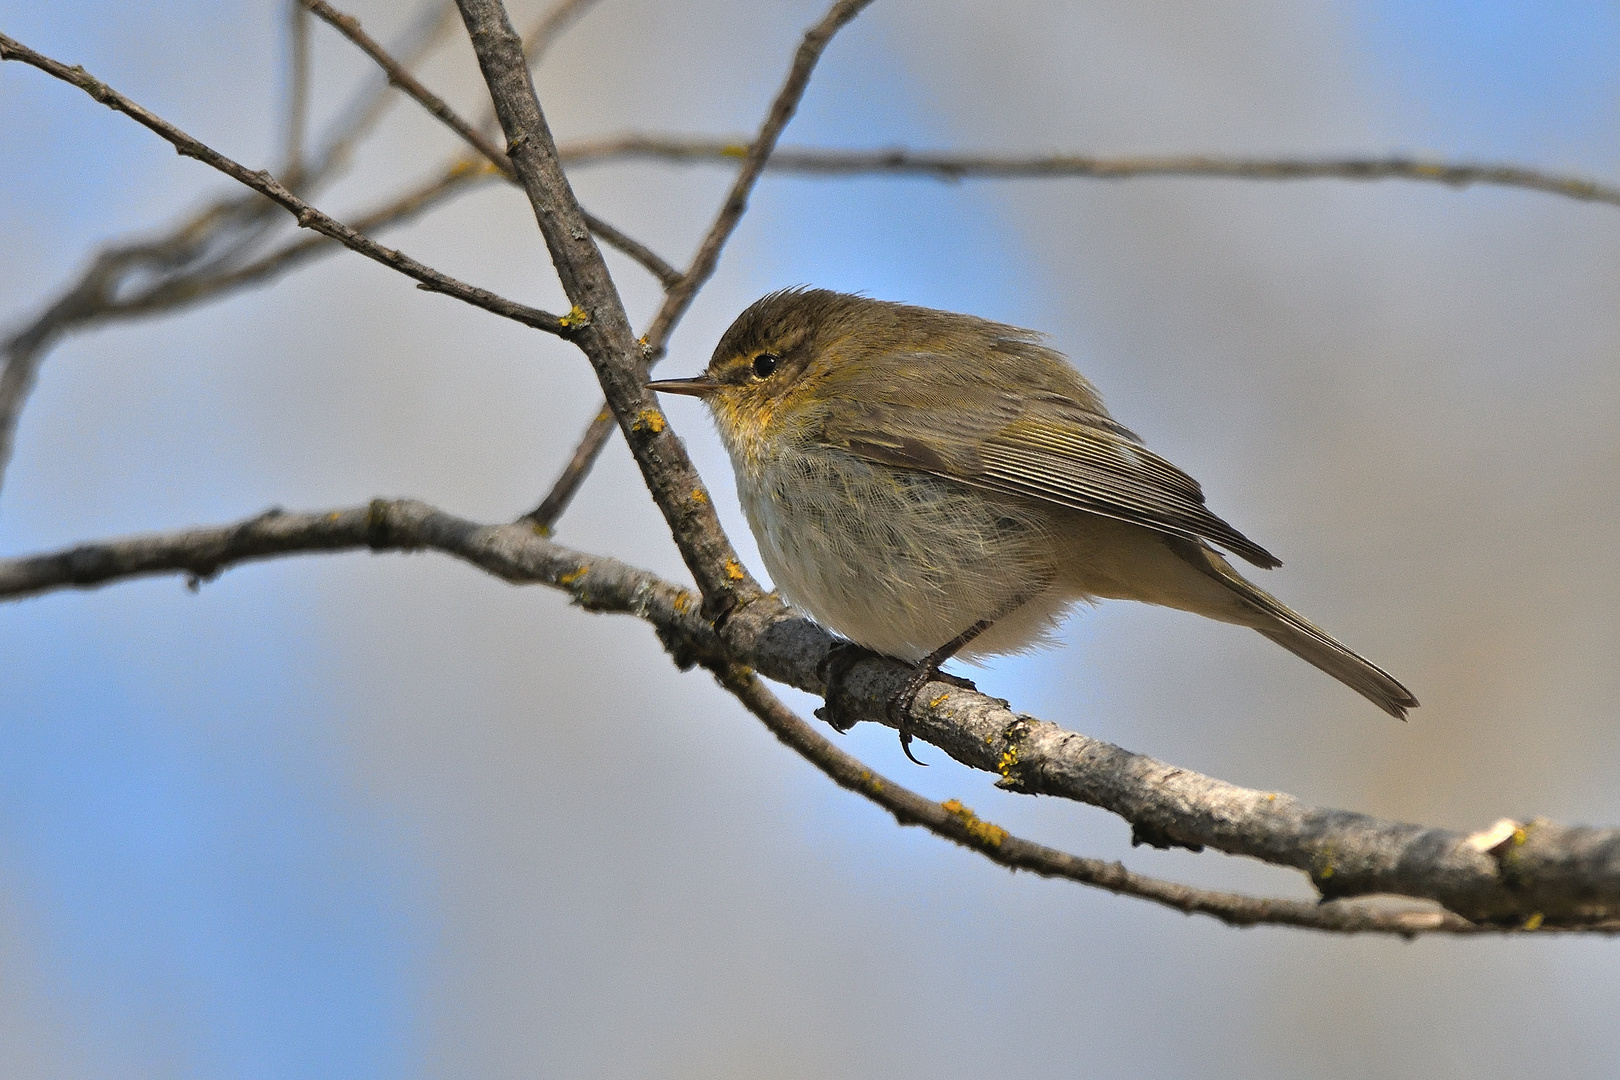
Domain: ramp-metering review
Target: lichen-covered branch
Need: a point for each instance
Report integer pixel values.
(682, 290)
(959, 824)
(1511, 876)
(601, 327)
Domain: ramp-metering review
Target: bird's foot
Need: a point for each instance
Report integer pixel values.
(899, 707)
(833, 671)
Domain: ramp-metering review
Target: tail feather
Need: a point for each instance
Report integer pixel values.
(1357, 672)
(1315, 646)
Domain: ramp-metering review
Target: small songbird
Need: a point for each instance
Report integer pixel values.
(927, 484)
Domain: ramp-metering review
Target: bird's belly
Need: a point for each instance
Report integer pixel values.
(901, 561)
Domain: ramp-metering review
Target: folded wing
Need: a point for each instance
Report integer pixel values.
(1044, 447)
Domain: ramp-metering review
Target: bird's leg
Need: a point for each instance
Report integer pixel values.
(900, 705)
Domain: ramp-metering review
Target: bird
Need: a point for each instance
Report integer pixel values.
(929, 484)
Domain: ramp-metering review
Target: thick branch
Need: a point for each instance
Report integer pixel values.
(683, 290)
(306, 215)
(1513, 876)
(605, 337)
(959, 824)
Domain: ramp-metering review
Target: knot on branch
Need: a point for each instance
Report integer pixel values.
(681, 651)
(1012, 736)
(383, 533)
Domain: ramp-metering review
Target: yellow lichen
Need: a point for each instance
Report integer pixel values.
(1009, 759)
(577, 316)
(698, 496)
(1534, 922)
(648, 420)
(734, 570)
(934, 703)
(574, 575)
(734, 150)
(682, 601)
(981, 830)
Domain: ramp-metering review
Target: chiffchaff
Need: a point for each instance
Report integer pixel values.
(925, 483)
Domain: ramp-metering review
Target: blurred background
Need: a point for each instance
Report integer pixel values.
(365, 816)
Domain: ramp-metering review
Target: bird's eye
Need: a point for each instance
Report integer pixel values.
(765, 364)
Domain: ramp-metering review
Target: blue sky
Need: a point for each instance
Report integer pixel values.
(210, 885)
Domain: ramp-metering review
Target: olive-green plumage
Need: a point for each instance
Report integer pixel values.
(909, 473)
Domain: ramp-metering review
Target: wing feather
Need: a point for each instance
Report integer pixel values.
(1046, 446)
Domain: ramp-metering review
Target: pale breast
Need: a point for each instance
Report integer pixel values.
(897, 560)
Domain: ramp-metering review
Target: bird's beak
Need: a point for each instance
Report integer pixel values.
(702, 386)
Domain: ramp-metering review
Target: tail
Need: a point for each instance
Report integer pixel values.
(1293, 632)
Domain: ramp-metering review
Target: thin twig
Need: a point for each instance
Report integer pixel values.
(297, 88)
(950, 166)
(958, 165)
(357, 120)
(203, 254)
(1531, 877)
(402, 79)
(439, 109)
(550, 25)
(638, 252)
(544, 517)
(170, 293)
(680, 295)
(785, 104)
(306, 215)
